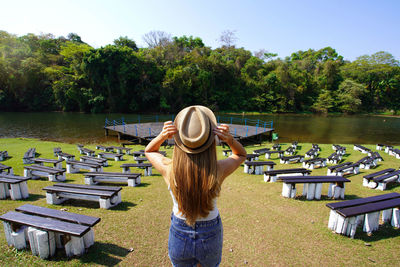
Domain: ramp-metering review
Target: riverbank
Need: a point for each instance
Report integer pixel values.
(261, 228)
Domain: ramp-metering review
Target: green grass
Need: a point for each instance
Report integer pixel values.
(260, 226)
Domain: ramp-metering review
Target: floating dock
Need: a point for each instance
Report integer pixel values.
(142, 133)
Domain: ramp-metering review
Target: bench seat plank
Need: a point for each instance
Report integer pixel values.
(375, 174)
(369, 207)
(383, 177)
(12, 179)
(96, 187)
(115, 174)
(59, 215)
(44, 168)
(361, 201)
(136, 165)
(47, 224)
(282, 171)
(312, 179)
(91, 192)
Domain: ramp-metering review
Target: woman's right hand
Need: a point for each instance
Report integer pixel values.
(168, 130)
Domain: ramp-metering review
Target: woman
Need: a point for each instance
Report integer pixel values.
(194, 178)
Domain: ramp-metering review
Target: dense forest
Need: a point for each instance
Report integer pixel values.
(48, 73)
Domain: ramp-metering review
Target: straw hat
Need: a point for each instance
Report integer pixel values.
(195, 126)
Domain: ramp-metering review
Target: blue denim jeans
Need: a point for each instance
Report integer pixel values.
(201, 243)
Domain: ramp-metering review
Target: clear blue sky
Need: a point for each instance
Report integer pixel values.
(352, 27)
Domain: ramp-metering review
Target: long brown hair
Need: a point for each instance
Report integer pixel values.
(194, 182)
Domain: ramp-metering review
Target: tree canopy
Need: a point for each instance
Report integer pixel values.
(48, 73)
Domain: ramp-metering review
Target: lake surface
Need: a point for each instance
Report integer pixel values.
(88, 128)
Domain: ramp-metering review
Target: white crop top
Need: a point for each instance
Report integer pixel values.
(175, 209)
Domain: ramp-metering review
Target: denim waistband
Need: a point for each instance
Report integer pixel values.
(198, 224)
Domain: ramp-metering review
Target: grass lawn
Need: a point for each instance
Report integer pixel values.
(261, 228)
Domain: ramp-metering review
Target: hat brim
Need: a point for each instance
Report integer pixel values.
(211, 137)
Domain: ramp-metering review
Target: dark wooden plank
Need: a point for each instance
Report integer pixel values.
(281, 171)
(259, 163)
(93, 158)
(361, 201)
(12, 179)
(59, 214)
(372, 175)
(89, 164)
(82, 191)
(90, 187)
(383, 177)
(312, 179)
(44, 168)
(369, 207)
(114, 174)
(45, 223)
(54, 161)
(340, 165)
(136, 165)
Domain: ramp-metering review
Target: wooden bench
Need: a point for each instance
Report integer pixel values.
(65, 156)
(105, 148)
(114, 156)
(29, 155)
(312, 153)
(388, 149)
(137, 154)
(367, 163)
(132, 179)
(279, 152)
(107, 196)
(148, 168)
(294, 144)
(395, 152)
(261, 151)
(86, 151)
(141, 160)
(3, 155)
(379, 180)
(341, 150)
(257, 167)
(362, 149)
(291, 159)
(346, 216)
(252, 157)
(6, 169)
(56, 151)
(276, 147)
(376, 156)
(88, 159)
(290, 151)
(57, 163)
(313, 185)
(316, 147)
(122, 150)
(313, 163)
(36, 171)
(45, 230)
(346, 170)
(334, 158)
(13, 186)
(226, 152)
(273, 175)
(380, 147)
(74, 166)
(332, 169)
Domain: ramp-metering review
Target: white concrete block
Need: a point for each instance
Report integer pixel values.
(89, 181)
(32, 240)
(318, 189)
(266, 178)
(105, 203)
(293, 192)
(286, 190)
(131, 182)
(7, 232)
(88, 238)
(18, 238)
(15, 192)
(52, 199)
(246, 168)
(333, 217)
(305, 189)
(341, 225)
(396, 218)
(3, 189)
(75, 247)
(371, 222)
(381, 186)
(311, 191)
(24, 189)
(387, 215)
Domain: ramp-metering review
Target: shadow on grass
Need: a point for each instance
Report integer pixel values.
(33, 197)
(124, 206)
(385, 231)
(326, 198)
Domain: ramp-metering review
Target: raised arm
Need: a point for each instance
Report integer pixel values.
(152, 149)
(229, 165)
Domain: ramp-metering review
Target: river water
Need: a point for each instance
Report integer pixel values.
(88, 128)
